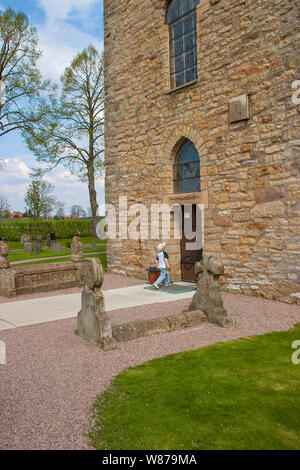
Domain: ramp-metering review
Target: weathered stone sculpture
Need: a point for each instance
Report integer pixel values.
(93, 325)
(4, 251)
(7, 279)
(208, 295)
(38, 244)
(77, 253)
(25, 238)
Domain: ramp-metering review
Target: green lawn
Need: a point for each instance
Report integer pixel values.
(101, 257)
(46, 252)
(242, 394)
(14, 255)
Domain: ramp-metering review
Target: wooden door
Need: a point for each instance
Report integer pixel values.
(188, 257)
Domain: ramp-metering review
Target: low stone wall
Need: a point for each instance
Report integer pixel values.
(46, 277)
(28, 279)
(137, 329)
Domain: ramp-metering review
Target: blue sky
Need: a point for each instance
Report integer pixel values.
(64, 28)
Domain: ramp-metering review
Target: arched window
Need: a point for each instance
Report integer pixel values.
(182, 20)
(187, 169)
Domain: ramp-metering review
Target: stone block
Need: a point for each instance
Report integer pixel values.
(28, 246)
(133, 330)
(196, 317)
(56, 246)
(178, 322)
(125, 332)
(25, 238)
(152, 326)
(270, 194)
(268, 210)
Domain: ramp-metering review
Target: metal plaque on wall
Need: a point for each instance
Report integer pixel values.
(239, 108)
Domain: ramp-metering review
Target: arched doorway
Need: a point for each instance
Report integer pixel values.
(186, 179)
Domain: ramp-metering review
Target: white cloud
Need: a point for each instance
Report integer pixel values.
(15, 168)
(15, 179)
(59, 40)
(58, 9)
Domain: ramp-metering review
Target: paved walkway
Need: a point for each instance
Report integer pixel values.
(33, 311)
(52, 377)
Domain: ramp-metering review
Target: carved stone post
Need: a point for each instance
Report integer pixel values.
(93, 325)
(77, 257)
(77, 253)
(208, 295)
(7, 278)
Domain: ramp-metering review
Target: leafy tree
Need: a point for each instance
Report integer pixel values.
(60, 214)
(77, 212)
(4, 206)
(72, 133)
(40, 202)
(39, 199)
(20, 80)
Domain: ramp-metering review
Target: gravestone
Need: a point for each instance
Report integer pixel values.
(76, 247)
(56, 246)
(93, 325)
(7, 279)
(4, 252)
(39, 238)
(48, 243)
(208, 295)
(25, 238)
(37, 247)
(28, 246)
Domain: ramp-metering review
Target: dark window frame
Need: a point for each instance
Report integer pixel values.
(177, 163)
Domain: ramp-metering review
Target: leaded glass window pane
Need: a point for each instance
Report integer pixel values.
(187, 169)
(181, 16)
(179, 8)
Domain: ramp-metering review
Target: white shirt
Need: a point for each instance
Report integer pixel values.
(161, 260)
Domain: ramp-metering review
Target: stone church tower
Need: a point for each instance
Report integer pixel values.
(203, 109)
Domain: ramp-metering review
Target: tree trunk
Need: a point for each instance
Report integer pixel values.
(93, 198)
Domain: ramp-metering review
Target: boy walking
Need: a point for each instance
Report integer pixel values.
(162, 264)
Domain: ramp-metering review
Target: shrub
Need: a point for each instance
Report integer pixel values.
(13, 230)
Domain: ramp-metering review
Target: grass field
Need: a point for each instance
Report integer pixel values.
(242, 394)
(101, 257)
(16, 255)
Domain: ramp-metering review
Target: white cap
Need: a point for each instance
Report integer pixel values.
(161, 246)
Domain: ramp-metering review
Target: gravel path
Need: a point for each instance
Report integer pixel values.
(52, 376)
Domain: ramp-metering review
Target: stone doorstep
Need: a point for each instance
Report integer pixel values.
(137, 329)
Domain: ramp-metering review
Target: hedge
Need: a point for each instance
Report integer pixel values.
(62, 229)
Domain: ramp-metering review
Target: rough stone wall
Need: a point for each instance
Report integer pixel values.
(7, 283)
(39, 278)
(249, 170)
(46, 277)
